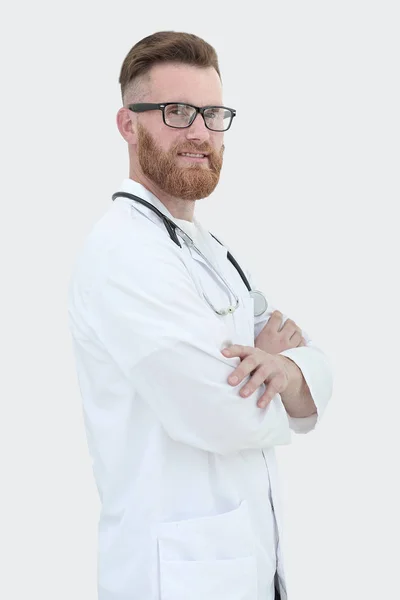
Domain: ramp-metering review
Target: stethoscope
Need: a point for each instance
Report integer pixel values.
(260, 302)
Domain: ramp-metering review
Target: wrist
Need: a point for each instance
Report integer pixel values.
(296, 398)
(292, 371)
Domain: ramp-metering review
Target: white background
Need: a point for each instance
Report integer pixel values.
(308, 199)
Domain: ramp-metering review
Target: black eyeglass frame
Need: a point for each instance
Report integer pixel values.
(143, 107)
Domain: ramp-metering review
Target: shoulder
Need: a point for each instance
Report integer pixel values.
(123, 243)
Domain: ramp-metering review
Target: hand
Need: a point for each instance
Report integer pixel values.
(265, 368)
(273, 340)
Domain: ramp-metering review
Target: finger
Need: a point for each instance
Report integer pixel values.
(275, 321)
(247, 366)
(276, 385)
(296, 329)
(289, 329)
(256, 380)
(267, 396)
(238, 350)
(303, 342)
(264, 400)
(295, 340)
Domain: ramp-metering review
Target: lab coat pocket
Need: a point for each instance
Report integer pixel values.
(234, 579)
(209, 558)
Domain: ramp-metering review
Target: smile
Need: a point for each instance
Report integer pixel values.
(193, 156)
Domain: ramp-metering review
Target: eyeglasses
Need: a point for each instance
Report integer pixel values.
(176, 114)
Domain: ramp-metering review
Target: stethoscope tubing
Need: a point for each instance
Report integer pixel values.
(171, 228)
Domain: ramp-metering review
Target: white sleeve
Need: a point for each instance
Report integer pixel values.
(314, 365)
(167, 341)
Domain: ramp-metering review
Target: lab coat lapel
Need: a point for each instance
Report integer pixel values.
(217, 252)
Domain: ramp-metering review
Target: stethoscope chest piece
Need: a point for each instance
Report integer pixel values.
(260, 302)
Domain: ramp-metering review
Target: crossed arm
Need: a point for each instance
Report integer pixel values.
(278, 372)
(274, 338)
(157, 336)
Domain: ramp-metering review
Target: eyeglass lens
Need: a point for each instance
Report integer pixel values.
(180, 115)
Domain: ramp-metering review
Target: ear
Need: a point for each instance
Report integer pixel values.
(126, 123)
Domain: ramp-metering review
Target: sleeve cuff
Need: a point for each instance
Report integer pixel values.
(317, 372)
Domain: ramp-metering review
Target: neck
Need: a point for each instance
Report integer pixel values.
(180, 209)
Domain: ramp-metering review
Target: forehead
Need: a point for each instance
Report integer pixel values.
(184, 83)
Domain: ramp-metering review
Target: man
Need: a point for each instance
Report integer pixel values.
(183, 453)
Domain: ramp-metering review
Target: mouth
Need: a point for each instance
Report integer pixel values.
(192, 156)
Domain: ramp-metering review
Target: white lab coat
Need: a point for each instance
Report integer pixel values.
(184, 466)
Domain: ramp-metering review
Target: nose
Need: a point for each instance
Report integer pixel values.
(198, 130)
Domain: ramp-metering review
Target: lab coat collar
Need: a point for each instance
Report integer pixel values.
(136, 188)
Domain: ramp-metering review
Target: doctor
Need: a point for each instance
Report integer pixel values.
(183, 454)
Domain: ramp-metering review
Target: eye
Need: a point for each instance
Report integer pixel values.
(215, 113)
(179, 110)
